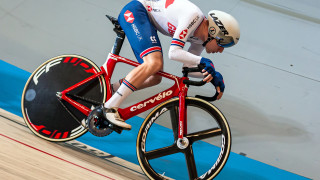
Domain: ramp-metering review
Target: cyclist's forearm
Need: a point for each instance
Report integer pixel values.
(178, 54)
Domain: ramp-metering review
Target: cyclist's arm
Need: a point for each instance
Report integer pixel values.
(195, 49)
(187, 25)
(178, 54)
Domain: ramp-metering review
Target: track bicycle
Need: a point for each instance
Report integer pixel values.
(60, 100)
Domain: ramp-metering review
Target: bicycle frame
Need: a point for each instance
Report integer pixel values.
(179, 89)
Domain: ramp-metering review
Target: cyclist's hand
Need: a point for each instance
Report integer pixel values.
(207, 77)
(219, 84)
(209, 69)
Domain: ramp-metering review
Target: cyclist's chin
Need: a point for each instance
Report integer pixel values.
(211, 51)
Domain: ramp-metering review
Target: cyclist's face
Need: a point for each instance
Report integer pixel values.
(212, 47)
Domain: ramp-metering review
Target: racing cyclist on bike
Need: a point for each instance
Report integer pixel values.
(184, 22)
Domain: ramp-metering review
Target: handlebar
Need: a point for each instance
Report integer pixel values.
(194, 83)
(186, 71)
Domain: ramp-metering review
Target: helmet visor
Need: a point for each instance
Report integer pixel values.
(226, 41)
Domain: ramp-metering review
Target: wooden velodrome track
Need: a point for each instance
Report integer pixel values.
(25, 156)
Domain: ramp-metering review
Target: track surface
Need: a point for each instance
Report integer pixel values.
(25, 156)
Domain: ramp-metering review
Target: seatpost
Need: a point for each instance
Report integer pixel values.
(118, 42)
(120, 35)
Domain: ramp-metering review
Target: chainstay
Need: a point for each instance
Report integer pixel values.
(72, 115)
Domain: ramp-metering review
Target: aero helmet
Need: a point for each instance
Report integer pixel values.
(224, 28)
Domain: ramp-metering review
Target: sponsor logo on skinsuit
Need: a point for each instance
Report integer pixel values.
(128, 15)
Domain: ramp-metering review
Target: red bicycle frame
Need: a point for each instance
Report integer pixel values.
(179, 89)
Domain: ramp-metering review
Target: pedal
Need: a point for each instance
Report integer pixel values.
(116, 128)
(97, 124)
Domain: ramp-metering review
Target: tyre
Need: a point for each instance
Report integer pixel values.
(45, 114)
(204, 152)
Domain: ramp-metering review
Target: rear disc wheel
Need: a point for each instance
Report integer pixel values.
(45, 114)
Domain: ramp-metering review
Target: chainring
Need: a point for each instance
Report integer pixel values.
(97, 124)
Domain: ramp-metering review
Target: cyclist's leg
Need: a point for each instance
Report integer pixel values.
(153, 63)
(143, 39)
(136, 78)
(134, 20)
(140, 77)
(151, 81)
(145, 43)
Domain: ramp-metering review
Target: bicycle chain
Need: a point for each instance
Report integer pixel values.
(81, 98)
(85, 99)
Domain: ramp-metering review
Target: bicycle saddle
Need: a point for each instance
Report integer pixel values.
(115, 22)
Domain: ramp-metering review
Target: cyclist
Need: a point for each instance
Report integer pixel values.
(184, 22)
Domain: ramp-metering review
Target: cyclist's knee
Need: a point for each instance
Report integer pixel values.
(157, 66)
(154, 61)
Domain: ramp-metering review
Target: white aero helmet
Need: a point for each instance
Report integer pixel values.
(224, 28)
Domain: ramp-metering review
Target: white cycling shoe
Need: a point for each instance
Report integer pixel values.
(113, 116)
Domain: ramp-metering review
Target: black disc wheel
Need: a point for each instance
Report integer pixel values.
(200, 155)
(45, 114)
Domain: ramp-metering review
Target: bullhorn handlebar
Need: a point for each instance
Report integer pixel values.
(186, 71)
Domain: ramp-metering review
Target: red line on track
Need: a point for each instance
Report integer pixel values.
(55, 156)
